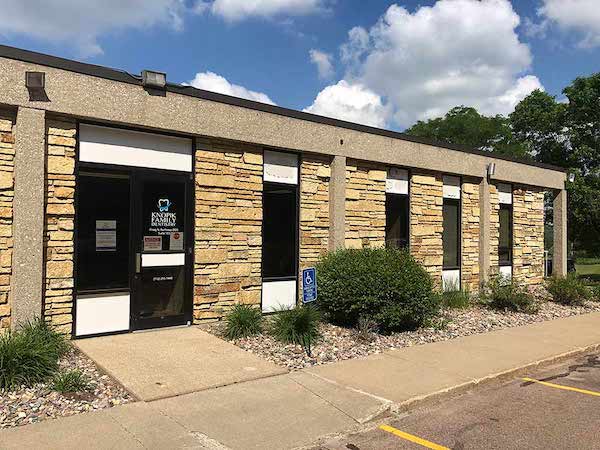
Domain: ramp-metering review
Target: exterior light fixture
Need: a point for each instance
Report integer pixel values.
(571, 177)
(154, 79)
(491, 169)
(35, 80)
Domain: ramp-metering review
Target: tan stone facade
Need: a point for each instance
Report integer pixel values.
(315, 172)
(365, 205)
(528, 235)
(228, 236)
(426, 223)
(494, 229)
(7, 159)
(470, 234)
(60, 213)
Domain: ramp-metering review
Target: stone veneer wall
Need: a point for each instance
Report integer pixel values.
(470, 235)
(494, 229)
(426, 224)
(315, 172)
(228, 239)
(7, 159)
(60, 213)
(528, 235)
(365, 205)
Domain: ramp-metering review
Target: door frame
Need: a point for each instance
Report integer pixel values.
(129, 170)
(138, 176)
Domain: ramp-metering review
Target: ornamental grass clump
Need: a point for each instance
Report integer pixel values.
(70, 382)
(569, 290)
(298, 326)
(453, 297)
(385, 285)
(30, 355)
(505, 294)
(243, 321)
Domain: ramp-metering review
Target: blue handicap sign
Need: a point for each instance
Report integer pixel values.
(309, 285)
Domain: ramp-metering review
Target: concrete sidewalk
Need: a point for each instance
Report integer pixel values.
(295, 409)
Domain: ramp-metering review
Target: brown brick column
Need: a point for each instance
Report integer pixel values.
(7, 156)
(365, 205)
(426, 222)
(60, 214)
(315, 173)
(228, 237)
(559, 258)
(470, 234)
(528, 235)
(494, 230)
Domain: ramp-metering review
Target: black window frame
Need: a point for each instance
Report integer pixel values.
(509, 262)
(296, 262)
(458, 203)
(388, 241)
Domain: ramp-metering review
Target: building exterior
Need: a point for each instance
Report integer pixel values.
(125, 205)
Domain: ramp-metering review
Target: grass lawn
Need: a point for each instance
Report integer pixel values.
(589, 272)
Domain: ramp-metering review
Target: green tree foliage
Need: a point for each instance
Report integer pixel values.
(565, 134)
(465, 126)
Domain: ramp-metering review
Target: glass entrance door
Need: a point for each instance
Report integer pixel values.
(162, 249)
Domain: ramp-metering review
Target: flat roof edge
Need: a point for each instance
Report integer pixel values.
(125, 77)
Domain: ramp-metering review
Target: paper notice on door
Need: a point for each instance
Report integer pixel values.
(176, 241)
(106, 235)
(152, 243)
(106, 240)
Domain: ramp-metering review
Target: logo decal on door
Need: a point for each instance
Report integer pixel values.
(164, 204)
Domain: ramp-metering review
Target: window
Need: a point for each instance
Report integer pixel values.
(102, 232)
(396, 220)
(505, 238)
(451, 233)
(280, 230)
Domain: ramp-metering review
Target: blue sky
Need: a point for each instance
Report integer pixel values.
(382, 63)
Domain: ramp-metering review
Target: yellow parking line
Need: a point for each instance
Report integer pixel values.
(566, 388)
(411, 438)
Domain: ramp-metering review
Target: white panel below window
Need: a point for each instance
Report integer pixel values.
(451, 187)
(107, 145)
(505, 194)
(397, 181)
(278, 295)
(506, 272)
(163, 259)
(102, 313)
(451, 280)
(280, 167)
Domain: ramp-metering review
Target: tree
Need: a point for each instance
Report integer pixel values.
(583, 122)
(538, 123)
(464, 125)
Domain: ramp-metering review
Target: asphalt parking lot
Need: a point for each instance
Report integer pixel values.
(559, 410)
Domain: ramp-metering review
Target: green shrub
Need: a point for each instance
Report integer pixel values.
(385, 285)
(71, 381)
(297, 326)
(365, 329)
(569, 290)
(30, 355)
(595, 288)
(243, 321)
(504, 294)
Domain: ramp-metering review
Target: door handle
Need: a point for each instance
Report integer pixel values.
(138, 262)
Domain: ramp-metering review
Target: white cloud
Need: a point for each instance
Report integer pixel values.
(426, 62)
(351, 102)
(582, 16)
(236, 10)
(210, 81)
(80, 22)
(323, 62)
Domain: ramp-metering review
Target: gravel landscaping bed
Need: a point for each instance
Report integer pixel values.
(340, 343)
(30, 405)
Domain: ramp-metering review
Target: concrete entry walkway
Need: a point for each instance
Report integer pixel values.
(165, 363)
